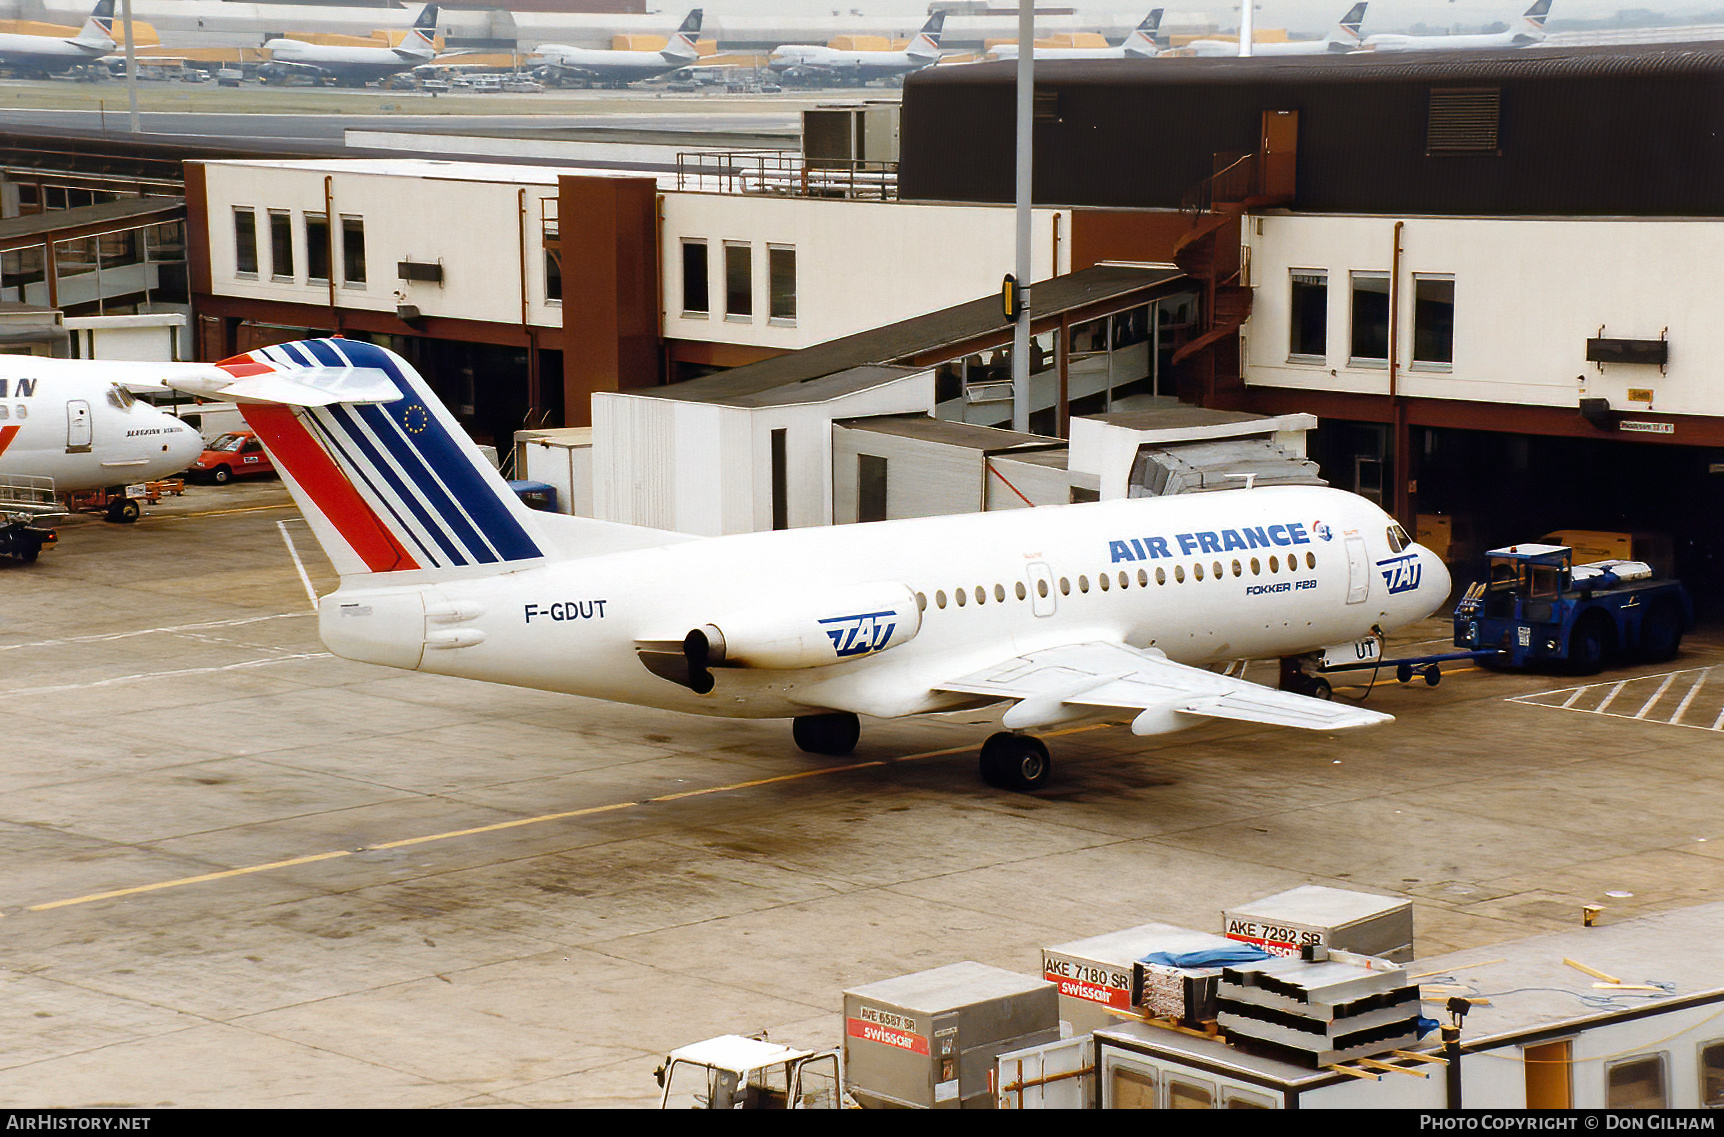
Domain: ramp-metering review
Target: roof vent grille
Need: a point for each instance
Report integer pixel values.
(1464, 121)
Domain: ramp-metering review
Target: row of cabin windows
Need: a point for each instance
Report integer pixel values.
(280, 245)
(738, 282)
(1368, 309)
(1106, 581)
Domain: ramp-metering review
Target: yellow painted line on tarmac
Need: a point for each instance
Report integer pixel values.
(517, 823)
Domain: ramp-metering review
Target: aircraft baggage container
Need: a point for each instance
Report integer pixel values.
(929, 1040)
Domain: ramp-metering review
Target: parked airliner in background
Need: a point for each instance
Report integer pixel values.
(47, 55)
(1100, 612)
(349, 65)
(1529, 31)
(861, 66)
(620, 68)
(71, 420)
(1344, 38)
(1140, 44)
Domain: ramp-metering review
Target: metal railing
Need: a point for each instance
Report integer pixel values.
(28, 495)
(785, 173)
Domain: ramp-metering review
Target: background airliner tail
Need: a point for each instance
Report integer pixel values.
(682, 45)
(1345, 37)
(421, 38)
(1141, 41)
(926, 45)
(98, 30)
(1532, 22)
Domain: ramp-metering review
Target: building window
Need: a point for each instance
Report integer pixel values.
(352, 250)
(738, 282)
(1309, 341)
(317, 248)
(695, 301)
(553, 278)
(280, 244)
(1433, 322)
(1712, 1075)
(781, 279)
(245, 242)
(870, 488)
(1637, 1083)
(1370, 344)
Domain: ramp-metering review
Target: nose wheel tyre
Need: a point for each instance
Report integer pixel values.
(1015, 762)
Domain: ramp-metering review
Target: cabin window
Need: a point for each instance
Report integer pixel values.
(1256, 567)
(1143, 578)
(1022, 593)
(1370, 343)
(280, 244)
(981, 594)
(1161, 576)
(939, 598)
(352, 251)
(1637, 1083)
(1274, 564)
(1000, 593)
(1179, 574)
(1102, 580)
(960, 596)
(317, 248)
(1041, 588)
(1065, 587)
(1082, 583)
(4, 411)
(1238, 569)
(1309, 305)
(1197, 572)
(1293, 563)
(921, 602)
(1433, 322)
(695, 291)
(738, 282)
(1216, 568)
(1124, 580)
(781, 285)
(1310, 560)
(245, 242)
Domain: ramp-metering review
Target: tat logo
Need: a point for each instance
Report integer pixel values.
(861, 634)
(1401, 573)
(1322, 530)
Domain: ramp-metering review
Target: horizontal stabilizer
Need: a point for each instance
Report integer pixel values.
(300, 387)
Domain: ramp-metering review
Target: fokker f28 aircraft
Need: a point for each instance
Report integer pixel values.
(48, 55)
(70, 420)
(353, 65)
(620, 68)
(1140, 44)
(1529, 31)
(861, 66)
(1094, 612)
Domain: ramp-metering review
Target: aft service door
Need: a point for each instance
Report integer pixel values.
(1358, 570)
(77, 426)
(1041, 584)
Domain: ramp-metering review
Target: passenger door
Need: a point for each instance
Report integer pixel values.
(78, 426)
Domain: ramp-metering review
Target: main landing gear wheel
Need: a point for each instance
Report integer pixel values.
(834, 734)
(1015, 762)
(125, 511)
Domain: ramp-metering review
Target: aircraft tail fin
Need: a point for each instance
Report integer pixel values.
(421, 38)
(1532, 22)
(382, 471)
(1141, 41)
(1345, 37)
(98, 30)
(926, 45)
(682, 45)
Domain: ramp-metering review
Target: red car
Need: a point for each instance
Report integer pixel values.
(237, 454)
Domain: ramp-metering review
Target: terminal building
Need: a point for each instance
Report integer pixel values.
(1485, 273)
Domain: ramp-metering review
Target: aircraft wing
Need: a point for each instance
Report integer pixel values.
(1058, 684)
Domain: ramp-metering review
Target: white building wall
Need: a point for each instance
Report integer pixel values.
(1528, 295)
(474, 227)
(859, 264)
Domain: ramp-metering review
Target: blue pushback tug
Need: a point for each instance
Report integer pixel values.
(1538, 607)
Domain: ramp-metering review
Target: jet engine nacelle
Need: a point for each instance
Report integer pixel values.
(799, 631)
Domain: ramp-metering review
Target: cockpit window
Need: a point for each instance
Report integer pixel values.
(1398, 539)
(120, 397)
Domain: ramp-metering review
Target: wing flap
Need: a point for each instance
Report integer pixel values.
(1064, 683)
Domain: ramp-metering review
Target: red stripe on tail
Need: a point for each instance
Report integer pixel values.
(7, 434)
(299, 453)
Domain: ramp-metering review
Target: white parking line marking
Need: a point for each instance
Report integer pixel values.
(1703, 697)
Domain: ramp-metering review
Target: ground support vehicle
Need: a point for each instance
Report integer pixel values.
(1539, 608)
(27, 509)
(734, 1072)
(124, 503)
(236, 454)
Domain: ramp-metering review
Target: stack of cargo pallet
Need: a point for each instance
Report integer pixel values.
(1333, 1007)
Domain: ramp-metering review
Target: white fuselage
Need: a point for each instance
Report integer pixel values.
(573, 626)
(861, 64)
(46, 53)
(1388, 42)
(1010, 51)
(63, 419)
(353, 63)
(611, 66)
